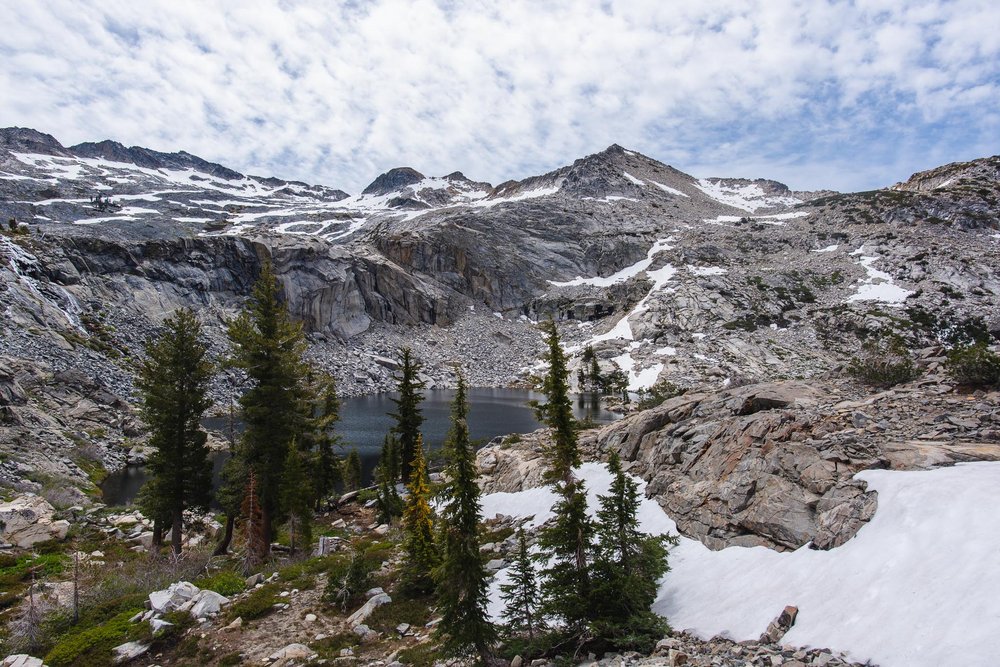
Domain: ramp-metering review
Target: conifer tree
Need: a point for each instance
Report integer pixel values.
(408, 416)
(352, 471)
(390, 505)
(418, 544)
(461, 577)
(173, 383)
(319, 441)
(269, 347)
(230, 496)
(297, 497)
(626, 569)
(566, 542)
(521, 595)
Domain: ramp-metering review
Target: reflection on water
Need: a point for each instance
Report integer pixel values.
(365, 420)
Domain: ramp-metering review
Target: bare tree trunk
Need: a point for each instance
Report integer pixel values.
(265, 531)
(177, 531)
(227, 536)
(157, 541)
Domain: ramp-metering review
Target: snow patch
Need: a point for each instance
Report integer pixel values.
(633, 179)
(829, 248)
(884, 291)
(669, 190)
(922, 571)
(622, 275)
(745, 196)
(705, 270)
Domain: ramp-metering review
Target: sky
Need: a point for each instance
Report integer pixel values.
(846, 95)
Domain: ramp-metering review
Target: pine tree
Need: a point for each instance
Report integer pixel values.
(418, 544)
(297, 497)
(352, 471)
(408, 417)
(173, 384)
(390, 505)
(230, 497)
(461, 577)
(319, 441)
(270, 347)
(521, 595)
(627, 568)
(566, 541)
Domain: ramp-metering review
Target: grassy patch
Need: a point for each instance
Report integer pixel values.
(92, 646)
(421, 655)
(226, 583)
(414, 611)
(257, 604)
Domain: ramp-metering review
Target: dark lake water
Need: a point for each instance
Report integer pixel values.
(364, 421)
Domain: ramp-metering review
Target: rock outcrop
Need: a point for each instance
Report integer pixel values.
(28, 520)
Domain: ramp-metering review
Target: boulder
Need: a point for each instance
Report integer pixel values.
(173, 597)
(362, 614)
(129, 651)
(207, 603)
(777, 628)
(28, 520)
(21, 660)
(291, 653)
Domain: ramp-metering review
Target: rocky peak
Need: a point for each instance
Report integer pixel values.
(150, 159)
(952, 175)
(393, 180)
(29, 140)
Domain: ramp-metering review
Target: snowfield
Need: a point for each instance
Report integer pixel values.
(917, 586)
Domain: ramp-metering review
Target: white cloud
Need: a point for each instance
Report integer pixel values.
(815, 93)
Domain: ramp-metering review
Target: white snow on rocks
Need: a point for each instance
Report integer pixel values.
(746, 196)
(633, 179)
(705, 270)
(829, 248)
(916, 587)
(879, 285)
(777, 219)
(622, 275)
(669, 190)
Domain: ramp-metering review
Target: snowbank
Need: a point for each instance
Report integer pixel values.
(917, 586)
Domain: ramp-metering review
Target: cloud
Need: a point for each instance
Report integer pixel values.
(836, 94)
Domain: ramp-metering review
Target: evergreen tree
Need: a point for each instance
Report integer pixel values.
(269, 347)
(461, 577)
(521, 594)
(230, 497)
(352, 471)
(418, 544)
(408, 416)
(297, 497)
(319, 441)
(173, 384)
(390, 505)
(626, 569)
(566, 541)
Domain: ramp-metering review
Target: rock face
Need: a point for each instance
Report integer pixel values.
(28, 520)
(773, 464)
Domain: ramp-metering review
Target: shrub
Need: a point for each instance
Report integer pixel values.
(415, 611)
(226, 583)
(884, 362)
(974, 365)
(421, 655)
(92, 647)
(349, 578)
(659, 392)
(257, 604)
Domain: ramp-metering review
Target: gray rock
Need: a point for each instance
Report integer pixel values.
(128, 651)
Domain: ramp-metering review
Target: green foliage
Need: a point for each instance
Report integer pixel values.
(627, 566)
(520, 596)
(884, 362)
(226, 583)
(297, 498)
(257, 604)
(974, 365)
(415, 611)
(330, 647)
(91, 647)
(421, 655)
(269, 347)
(408, 416)
(173, 385)
(352, 471)
(390, 504)
(557, 411)
(421, 552)
(461, 577)
(319, 441)
(658, 393)
(350, 577)
(15, 570)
